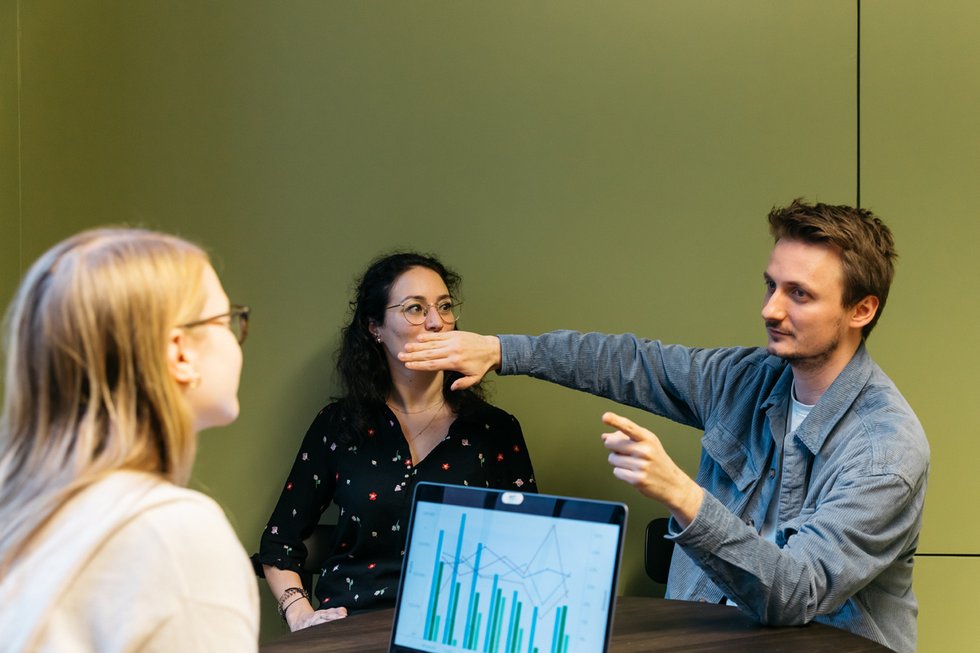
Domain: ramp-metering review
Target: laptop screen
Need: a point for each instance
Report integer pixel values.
(507, 572)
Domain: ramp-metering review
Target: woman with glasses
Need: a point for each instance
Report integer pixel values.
(392, 428)
(120, 346)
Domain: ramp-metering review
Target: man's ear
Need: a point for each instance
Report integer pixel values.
(181, 360)
(864, 311)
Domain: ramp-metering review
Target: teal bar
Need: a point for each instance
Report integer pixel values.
(512, 627)
(430, 612)
(554, 632)
(451, 624)
(475, 626)
(498, 623)
(447, 634)
(474, 603)
(520, 631)
(491, 615)
(492, 625)
(562, 637)
(476, 631)
(534, 625)
(431, 636)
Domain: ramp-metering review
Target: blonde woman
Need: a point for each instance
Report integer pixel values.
(121, 345)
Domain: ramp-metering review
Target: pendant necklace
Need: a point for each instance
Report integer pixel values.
(413, 438)
(392, 406)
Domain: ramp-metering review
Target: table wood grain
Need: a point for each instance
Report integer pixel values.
(641, 625)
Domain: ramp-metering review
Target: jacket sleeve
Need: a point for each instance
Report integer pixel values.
(673, 381)
(862, 525)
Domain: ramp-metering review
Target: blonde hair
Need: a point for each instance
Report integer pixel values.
(88, 387)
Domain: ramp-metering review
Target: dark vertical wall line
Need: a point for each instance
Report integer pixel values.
(857, 76)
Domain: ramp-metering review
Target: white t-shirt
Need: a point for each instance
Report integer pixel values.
(132, 564)
(798, 413)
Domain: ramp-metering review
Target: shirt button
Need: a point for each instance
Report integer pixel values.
(750, 522)
(772, 473)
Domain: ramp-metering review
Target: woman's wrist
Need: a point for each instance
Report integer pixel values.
(297, 613)
(287, 597)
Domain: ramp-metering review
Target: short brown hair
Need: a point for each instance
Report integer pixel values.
(864, 242)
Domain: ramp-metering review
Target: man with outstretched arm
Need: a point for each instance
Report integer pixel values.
(807, 504)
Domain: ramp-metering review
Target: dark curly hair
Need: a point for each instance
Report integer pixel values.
(361, 362)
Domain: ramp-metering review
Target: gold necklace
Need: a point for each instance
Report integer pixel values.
(391, 405)
(413, 438)
(424, 429)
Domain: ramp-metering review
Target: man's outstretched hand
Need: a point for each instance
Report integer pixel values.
(470, 354)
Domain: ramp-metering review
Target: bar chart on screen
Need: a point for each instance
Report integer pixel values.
(496, 582)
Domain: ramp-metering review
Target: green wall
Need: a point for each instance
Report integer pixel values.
(920, 152)
(10, 217)
(584, 165)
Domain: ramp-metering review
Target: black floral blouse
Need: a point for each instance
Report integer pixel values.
(372, 483)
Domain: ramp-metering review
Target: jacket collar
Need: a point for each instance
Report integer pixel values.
(833, 404)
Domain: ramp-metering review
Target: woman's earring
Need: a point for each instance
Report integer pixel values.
(195, 382)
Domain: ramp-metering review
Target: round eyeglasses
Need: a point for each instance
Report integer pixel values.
(415, 311)
(237, 321)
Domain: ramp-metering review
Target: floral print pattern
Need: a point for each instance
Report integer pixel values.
(372, 482)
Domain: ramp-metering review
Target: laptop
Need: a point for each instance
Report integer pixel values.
(507, 572)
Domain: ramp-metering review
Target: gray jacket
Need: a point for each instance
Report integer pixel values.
(851, 490)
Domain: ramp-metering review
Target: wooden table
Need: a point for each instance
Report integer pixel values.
(641, 625)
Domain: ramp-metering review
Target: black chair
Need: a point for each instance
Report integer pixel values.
(658, 551)
(318, 547)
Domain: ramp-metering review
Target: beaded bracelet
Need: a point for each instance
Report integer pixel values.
(288, 605)
(289, 591)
